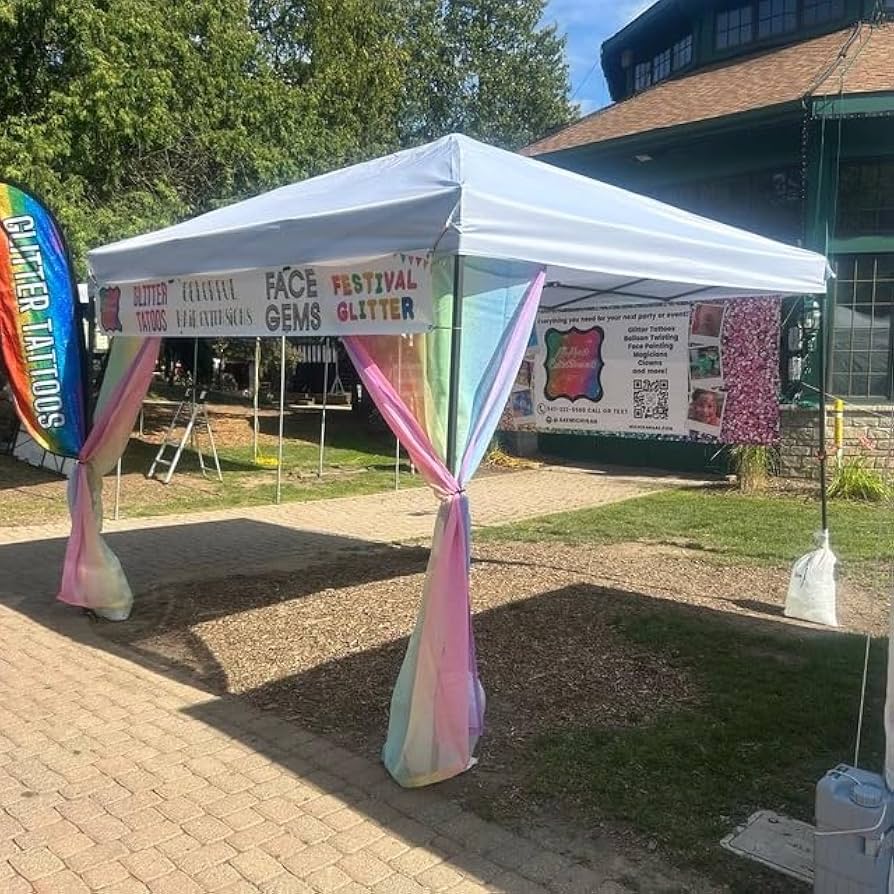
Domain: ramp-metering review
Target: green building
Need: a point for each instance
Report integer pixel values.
(775, 116)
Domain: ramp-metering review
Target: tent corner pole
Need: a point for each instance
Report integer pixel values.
(282, 410)
(824, 500)
(118, 489)
(326, 348)
(195, 371)
(456, 327)
(256, 384)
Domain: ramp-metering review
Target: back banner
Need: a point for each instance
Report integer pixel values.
(383, 296)
(41, 335)
(703, 371)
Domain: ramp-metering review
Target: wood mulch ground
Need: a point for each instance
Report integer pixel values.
(324, 647)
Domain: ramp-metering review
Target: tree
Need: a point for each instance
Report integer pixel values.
(348, 56)
(486, 68)
(134, 114)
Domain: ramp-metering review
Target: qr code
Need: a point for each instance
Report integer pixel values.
(650, 398)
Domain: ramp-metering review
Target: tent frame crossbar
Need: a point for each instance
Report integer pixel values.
(619, 292)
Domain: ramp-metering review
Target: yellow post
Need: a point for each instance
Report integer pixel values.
(839, 429)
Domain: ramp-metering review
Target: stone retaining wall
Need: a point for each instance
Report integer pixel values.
(868, 433)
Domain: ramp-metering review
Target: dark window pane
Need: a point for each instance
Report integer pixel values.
(683, 52)
(866, 198)
(878, 386)
(865, 268)
(878, 362)
(841, 341)
(863, 291)
(840, 383)
(818, 11)
(733, 27)
(881, 338)
(661, 66)
(860, 385)
(642, 76)
(776, 17)
(845, 266)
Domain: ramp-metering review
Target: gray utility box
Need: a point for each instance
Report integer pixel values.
(856, 804)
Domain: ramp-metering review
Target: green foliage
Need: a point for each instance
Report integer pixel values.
(485, 68)
(753, 464)
(131, 115)
(855, 481)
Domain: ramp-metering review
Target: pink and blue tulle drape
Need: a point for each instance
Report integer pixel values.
(92, 576)
(437, 708)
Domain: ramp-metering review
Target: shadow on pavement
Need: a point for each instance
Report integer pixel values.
(552, 662)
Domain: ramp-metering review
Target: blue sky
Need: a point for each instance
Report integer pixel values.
(587, 23)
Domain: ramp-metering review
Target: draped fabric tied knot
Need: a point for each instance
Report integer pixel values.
(92, 576)
(437, 708)
(451, 494)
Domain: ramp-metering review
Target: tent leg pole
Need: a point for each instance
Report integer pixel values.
(195, 371)
(282, 409)
(824, 502)
(193, 441)
(255, 389)
(325, 398)
(456, 327)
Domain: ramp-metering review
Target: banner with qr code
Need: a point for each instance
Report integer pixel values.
(705, 371)
(612, 370)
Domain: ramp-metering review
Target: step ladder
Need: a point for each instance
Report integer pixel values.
(194, 415)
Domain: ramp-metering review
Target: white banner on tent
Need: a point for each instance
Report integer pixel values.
(618, 370)
(387, 295)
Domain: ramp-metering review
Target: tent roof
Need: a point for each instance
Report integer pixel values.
(456, 195)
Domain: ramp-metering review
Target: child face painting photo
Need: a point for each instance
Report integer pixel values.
(523, 380)
(522, 404)
(707, 320)
(706, 410)
(704, 363)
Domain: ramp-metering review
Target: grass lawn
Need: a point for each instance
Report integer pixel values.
(765, 529)
(356, 461)
(775, 705)
(776, 711)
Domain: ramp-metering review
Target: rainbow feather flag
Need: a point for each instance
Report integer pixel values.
(41, 328)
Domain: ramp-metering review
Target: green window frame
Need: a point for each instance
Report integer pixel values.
(861, 357)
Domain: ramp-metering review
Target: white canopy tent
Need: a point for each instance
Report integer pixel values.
(560, 238)
(457, 196)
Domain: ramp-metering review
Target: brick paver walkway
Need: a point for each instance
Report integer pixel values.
(117, 779)
(180, 548)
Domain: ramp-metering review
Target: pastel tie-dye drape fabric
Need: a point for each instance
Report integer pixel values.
(92, 576)
(437, 709)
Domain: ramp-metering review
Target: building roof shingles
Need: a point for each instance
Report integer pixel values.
(855, 60)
